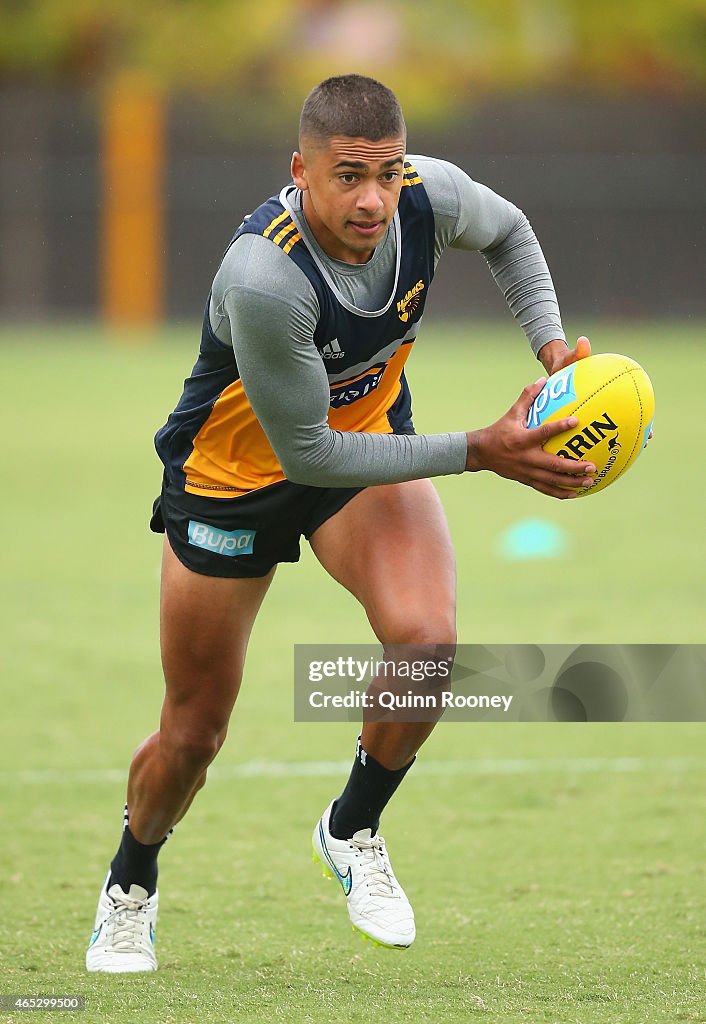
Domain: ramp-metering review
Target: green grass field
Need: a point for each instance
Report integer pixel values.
(557, 871)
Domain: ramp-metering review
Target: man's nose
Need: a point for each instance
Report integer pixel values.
(369, 198)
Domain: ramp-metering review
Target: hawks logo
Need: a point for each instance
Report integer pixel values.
(408, 306)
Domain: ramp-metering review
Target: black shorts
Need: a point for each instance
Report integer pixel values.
(243, 537)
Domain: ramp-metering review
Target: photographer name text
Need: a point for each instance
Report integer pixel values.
(391, 701)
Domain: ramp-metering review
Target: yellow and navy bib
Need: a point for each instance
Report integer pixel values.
(213, 445)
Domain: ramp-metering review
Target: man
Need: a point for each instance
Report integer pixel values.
(296, 420)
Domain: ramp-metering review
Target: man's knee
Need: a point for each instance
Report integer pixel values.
(427, 630)
(192, 747)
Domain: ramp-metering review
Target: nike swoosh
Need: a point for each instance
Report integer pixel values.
(151, 934)
(345, 880)
(95, 936)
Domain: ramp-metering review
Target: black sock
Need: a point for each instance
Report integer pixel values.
(135, 862)
(365, 797)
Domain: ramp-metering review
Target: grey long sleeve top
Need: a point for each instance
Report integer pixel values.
(265, 306)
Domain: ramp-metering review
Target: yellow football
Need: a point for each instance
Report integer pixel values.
(612, 397)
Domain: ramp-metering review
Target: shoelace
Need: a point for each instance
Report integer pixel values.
(126, 925)
(376, 867)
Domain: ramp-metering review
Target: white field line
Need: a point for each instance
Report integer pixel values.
(339, 769)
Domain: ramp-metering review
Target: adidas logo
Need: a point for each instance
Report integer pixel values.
(332, 350)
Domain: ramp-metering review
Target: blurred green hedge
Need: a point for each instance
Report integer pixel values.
(438, 55)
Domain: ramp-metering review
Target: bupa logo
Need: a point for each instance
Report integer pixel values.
(408, 306)
(555, 394)
(221, 542)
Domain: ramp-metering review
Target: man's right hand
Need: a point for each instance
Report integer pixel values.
(512, 450)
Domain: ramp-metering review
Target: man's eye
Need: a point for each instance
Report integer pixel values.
(389, 176)
(348, 179)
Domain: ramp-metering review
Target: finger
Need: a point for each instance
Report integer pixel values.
(560, 487)
(528, 394)
(583, 347)
(549, 463)
(562, 493)
(540, 435)
(538, 461)
(567, 480)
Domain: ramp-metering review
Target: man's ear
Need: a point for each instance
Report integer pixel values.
(299, 171)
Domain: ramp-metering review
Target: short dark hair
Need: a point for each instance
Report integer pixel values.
(353, 106)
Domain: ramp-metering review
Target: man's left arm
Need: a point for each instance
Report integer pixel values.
(471, 216)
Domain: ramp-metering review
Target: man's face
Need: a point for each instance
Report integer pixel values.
(350, 188)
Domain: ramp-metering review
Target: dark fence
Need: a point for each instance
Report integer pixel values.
(616, 191)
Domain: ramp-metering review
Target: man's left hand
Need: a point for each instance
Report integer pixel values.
(555, 355)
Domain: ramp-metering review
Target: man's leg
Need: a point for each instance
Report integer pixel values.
(205, 624)
(390, 547)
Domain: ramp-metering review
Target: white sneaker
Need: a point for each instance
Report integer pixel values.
(377, 905)
(123, 935)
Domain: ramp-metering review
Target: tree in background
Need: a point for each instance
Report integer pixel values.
(438, 55)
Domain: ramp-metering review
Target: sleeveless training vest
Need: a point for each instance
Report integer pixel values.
(213, 445)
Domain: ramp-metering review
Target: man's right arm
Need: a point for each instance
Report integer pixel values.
(271, 310)
(287, 386)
